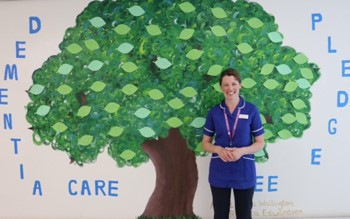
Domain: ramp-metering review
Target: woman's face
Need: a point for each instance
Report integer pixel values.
(230, 87)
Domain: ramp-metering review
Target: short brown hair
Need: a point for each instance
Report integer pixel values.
(230, 72)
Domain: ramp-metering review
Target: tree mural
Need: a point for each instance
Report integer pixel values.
(138, 77)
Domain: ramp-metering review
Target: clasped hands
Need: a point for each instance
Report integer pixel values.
(230, 154)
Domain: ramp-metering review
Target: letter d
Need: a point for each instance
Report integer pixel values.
(34, 25)
(342, 102)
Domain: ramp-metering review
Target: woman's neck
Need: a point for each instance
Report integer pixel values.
(232, 104)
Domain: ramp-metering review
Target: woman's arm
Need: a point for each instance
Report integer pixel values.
(208, 146)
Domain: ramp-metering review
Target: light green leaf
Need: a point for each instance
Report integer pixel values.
(174, 122)
(217, 87)
(219, 12)
(291, 86)
(194, 54)
(43, 110)
(186, 34)
(275, 37)
(271, 84)
(136, 11)
(156, 94)
(142, 113)
(255, 23)
(248, 83)
(91, 44)
(268, 134)
(64, 89)
(267, 69)
(298, 104)
(301, 118)
(84, 111)
(147, 132)
(153, 30)
(65, 69)
(127, 154)
(218, 31)
(95, 65)
(129, 89)
(244, 48)
(74, 48)
(306, 73)
(303, 83)
(284, 69)
(125, 48)
(300, 59)
(97, 22)
(285, 134)
(215, 70)
(36, 89)
(122, 29)
(129, 67)
(98, 86)
(288, 118)
(176, 103)
(163, 63)
(85, 140)
(187, 7)
(112, 107)
(59, 127)
(115, 131)
(188, 92)
(198, 122)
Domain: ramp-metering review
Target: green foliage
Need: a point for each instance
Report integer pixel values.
(131, 70)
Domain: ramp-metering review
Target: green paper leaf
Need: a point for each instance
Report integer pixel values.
(136, 11)
(65, 69)
(307, 73)
(215, 70)
(156, 94)
(255, 23)
(59, 127)
(115, 131)
(301, 118)
(194, 54)
(268, 134)
(291, 86)
(298, 104)
(275, 37)
(64, 89)
(217, 87)
(248, 83)
(174, 122)
(288, 118)
(95, 65)
(91, 44)
(85, 140)
(74, 48)
(271, 84)
(187, 7)
(300, 59)
(122, 29)
(188, 92)
(98, 86)
(163, 63)
(186, 34)
(285, 134)
(97, 22)
(84, 111)
(43, 110)
(142, 113)
(147, 132)
(36, 89)
(153, 30)
(219, 12)
(129, 89)
(129, 67)
(112, 107)
(218, 31)
(284, 69)
(176, 103)
(267, 69)
(125, 48)
(303, 83)
(198, 122)
(127, 155)
(244, 48)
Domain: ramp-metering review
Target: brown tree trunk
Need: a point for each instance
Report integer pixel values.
(176, 177)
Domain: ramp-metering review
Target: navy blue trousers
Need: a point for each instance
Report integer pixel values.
(222, 201)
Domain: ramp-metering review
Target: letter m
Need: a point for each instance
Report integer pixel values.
(11, 72)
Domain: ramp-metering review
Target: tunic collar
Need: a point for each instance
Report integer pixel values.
(241, 104)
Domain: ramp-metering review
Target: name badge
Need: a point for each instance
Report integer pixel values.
(243, 116)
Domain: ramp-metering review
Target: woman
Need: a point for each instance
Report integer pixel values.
(236, 126)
